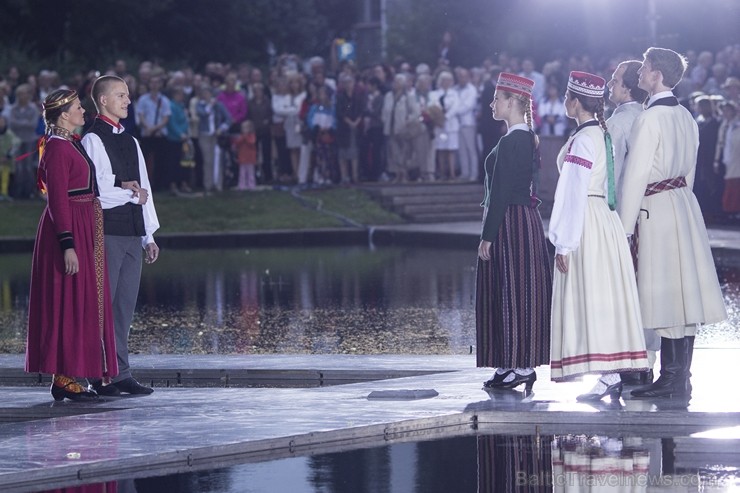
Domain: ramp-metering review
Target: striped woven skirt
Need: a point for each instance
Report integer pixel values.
(513, 295)
(515, 464)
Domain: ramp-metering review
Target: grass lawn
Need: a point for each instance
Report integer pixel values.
(232, 211)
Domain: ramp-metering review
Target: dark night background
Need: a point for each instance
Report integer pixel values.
(73, 35)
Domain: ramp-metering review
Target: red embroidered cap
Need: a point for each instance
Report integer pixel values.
(514, 83)
(586, 84)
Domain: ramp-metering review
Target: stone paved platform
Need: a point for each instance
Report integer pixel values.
(181, 429)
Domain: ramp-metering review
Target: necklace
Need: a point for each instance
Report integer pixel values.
(61, 132)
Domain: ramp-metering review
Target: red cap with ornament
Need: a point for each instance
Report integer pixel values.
(515, 83)
(586, 84)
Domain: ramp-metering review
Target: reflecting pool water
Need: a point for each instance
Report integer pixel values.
(482, 464)
(308, 300)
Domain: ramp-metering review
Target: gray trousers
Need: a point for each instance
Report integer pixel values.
(124, 257)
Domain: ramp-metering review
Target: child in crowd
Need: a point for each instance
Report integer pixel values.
(323, 124)
(245, 147)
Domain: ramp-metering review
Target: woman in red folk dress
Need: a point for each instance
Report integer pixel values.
(70, 326)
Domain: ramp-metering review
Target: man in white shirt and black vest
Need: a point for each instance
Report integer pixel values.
(129, 217)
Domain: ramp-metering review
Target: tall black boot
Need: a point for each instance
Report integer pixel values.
(672, 380)
(689, 357)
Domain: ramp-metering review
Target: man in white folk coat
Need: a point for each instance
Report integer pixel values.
(676, 277)
(628, 97)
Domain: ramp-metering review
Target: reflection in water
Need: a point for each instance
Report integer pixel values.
(583, 463)
(475, 464)
(303, 300)
(509, 464)
(424, 467)
(307, 300)
(109, 487)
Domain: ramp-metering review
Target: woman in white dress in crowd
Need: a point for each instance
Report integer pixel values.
(446, 137)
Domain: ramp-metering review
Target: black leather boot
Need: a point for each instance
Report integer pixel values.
(673, 371)
(634, 378)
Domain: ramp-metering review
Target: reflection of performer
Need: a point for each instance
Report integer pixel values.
(599, 463)
(514, 464)
(514, 277)
(70, 324)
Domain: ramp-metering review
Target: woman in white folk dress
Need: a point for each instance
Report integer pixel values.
(596, 324)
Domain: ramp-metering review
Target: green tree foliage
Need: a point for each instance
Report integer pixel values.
(416, 28)
(77, 34)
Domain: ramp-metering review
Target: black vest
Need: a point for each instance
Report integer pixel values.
(127, 219)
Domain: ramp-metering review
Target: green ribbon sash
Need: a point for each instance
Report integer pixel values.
(611, 186)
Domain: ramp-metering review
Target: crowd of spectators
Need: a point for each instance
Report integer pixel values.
(315, 123)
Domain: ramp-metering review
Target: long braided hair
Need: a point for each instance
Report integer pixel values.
(595, 106)
(526, 103)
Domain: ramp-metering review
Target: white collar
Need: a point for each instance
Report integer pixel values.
(518, 126)
(660, 95)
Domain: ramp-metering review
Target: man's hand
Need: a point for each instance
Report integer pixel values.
(152, 253)
(131, 185)
(143, 196)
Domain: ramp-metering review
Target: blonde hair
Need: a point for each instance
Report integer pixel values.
(671, 64)
(525, 103)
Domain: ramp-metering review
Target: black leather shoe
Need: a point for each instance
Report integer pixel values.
(60, 393)
(109, 390)
(497, 381)
(614, 391)
(528, 380)
(131, 386)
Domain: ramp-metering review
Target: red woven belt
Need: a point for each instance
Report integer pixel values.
(662, 186)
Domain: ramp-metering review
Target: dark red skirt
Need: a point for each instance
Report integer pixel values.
(70, 323)
(513, 295)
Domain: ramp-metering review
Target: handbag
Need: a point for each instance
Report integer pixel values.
(414, 128)
(188, 154)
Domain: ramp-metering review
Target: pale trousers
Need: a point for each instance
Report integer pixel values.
(468, 153)
(677, 332)
(212, 169)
